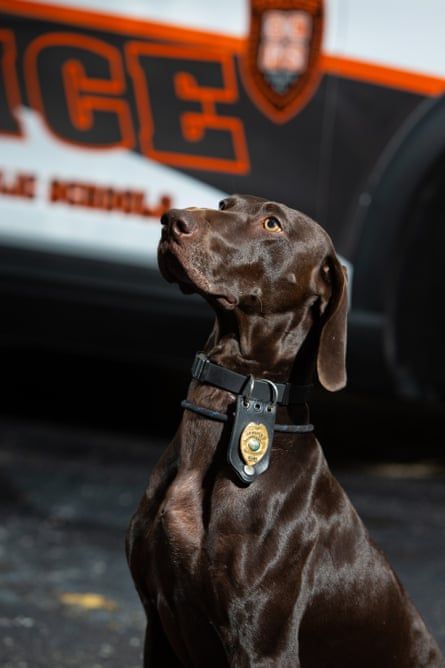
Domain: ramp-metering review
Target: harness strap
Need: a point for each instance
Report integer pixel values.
(222, 417)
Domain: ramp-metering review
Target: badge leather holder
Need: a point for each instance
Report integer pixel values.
(250, 443)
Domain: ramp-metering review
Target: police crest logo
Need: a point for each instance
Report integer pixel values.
(280, 66)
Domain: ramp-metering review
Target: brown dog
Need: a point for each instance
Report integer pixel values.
(280, 572)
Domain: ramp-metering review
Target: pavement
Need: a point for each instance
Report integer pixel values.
(66, 496)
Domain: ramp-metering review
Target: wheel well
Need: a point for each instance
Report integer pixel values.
(415, 316)
(380, 216)
(399, 228)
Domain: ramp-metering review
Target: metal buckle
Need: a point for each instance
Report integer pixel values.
(274, 389)
(247, 395)
(199, 364)
(250, 382)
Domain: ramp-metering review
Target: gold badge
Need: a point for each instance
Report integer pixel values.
(254, 443)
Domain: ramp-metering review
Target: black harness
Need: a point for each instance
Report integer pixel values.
(254, 417)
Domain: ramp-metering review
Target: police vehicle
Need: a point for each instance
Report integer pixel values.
(110, 113)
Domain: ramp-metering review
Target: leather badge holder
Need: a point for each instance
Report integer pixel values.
(250, 443)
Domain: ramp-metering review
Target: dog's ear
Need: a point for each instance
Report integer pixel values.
(331, 355)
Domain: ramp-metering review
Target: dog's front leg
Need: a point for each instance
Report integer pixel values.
(158, 652)
(241, 658)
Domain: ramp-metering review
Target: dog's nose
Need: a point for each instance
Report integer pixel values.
(179, 222)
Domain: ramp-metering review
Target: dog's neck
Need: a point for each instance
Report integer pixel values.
(274, 346)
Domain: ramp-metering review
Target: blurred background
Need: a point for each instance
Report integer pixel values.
(112, 113)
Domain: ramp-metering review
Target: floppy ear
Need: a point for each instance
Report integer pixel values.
(331, 355)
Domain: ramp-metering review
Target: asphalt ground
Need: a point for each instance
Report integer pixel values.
(66, 496)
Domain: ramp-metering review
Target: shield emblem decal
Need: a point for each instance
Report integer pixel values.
(280, 66)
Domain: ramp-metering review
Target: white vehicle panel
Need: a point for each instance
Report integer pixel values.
(61, 227)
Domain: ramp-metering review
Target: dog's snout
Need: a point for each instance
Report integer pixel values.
(179, 222)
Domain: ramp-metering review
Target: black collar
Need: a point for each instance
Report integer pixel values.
(206, 371)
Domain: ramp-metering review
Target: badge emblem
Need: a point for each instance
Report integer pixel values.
(254, 443)
(280, 67)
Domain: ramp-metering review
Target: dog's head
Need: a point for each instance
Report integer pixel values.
(262, 259)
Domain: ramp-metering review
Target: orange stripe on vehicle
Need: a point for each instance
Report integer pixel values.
(121, 24)
(361, 70)
(414, 82)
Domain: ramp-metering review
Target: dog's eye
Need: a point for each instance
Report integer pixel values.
(271, 224)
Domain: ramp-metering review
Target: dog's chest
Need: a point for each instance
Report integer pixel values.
(180, 519)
